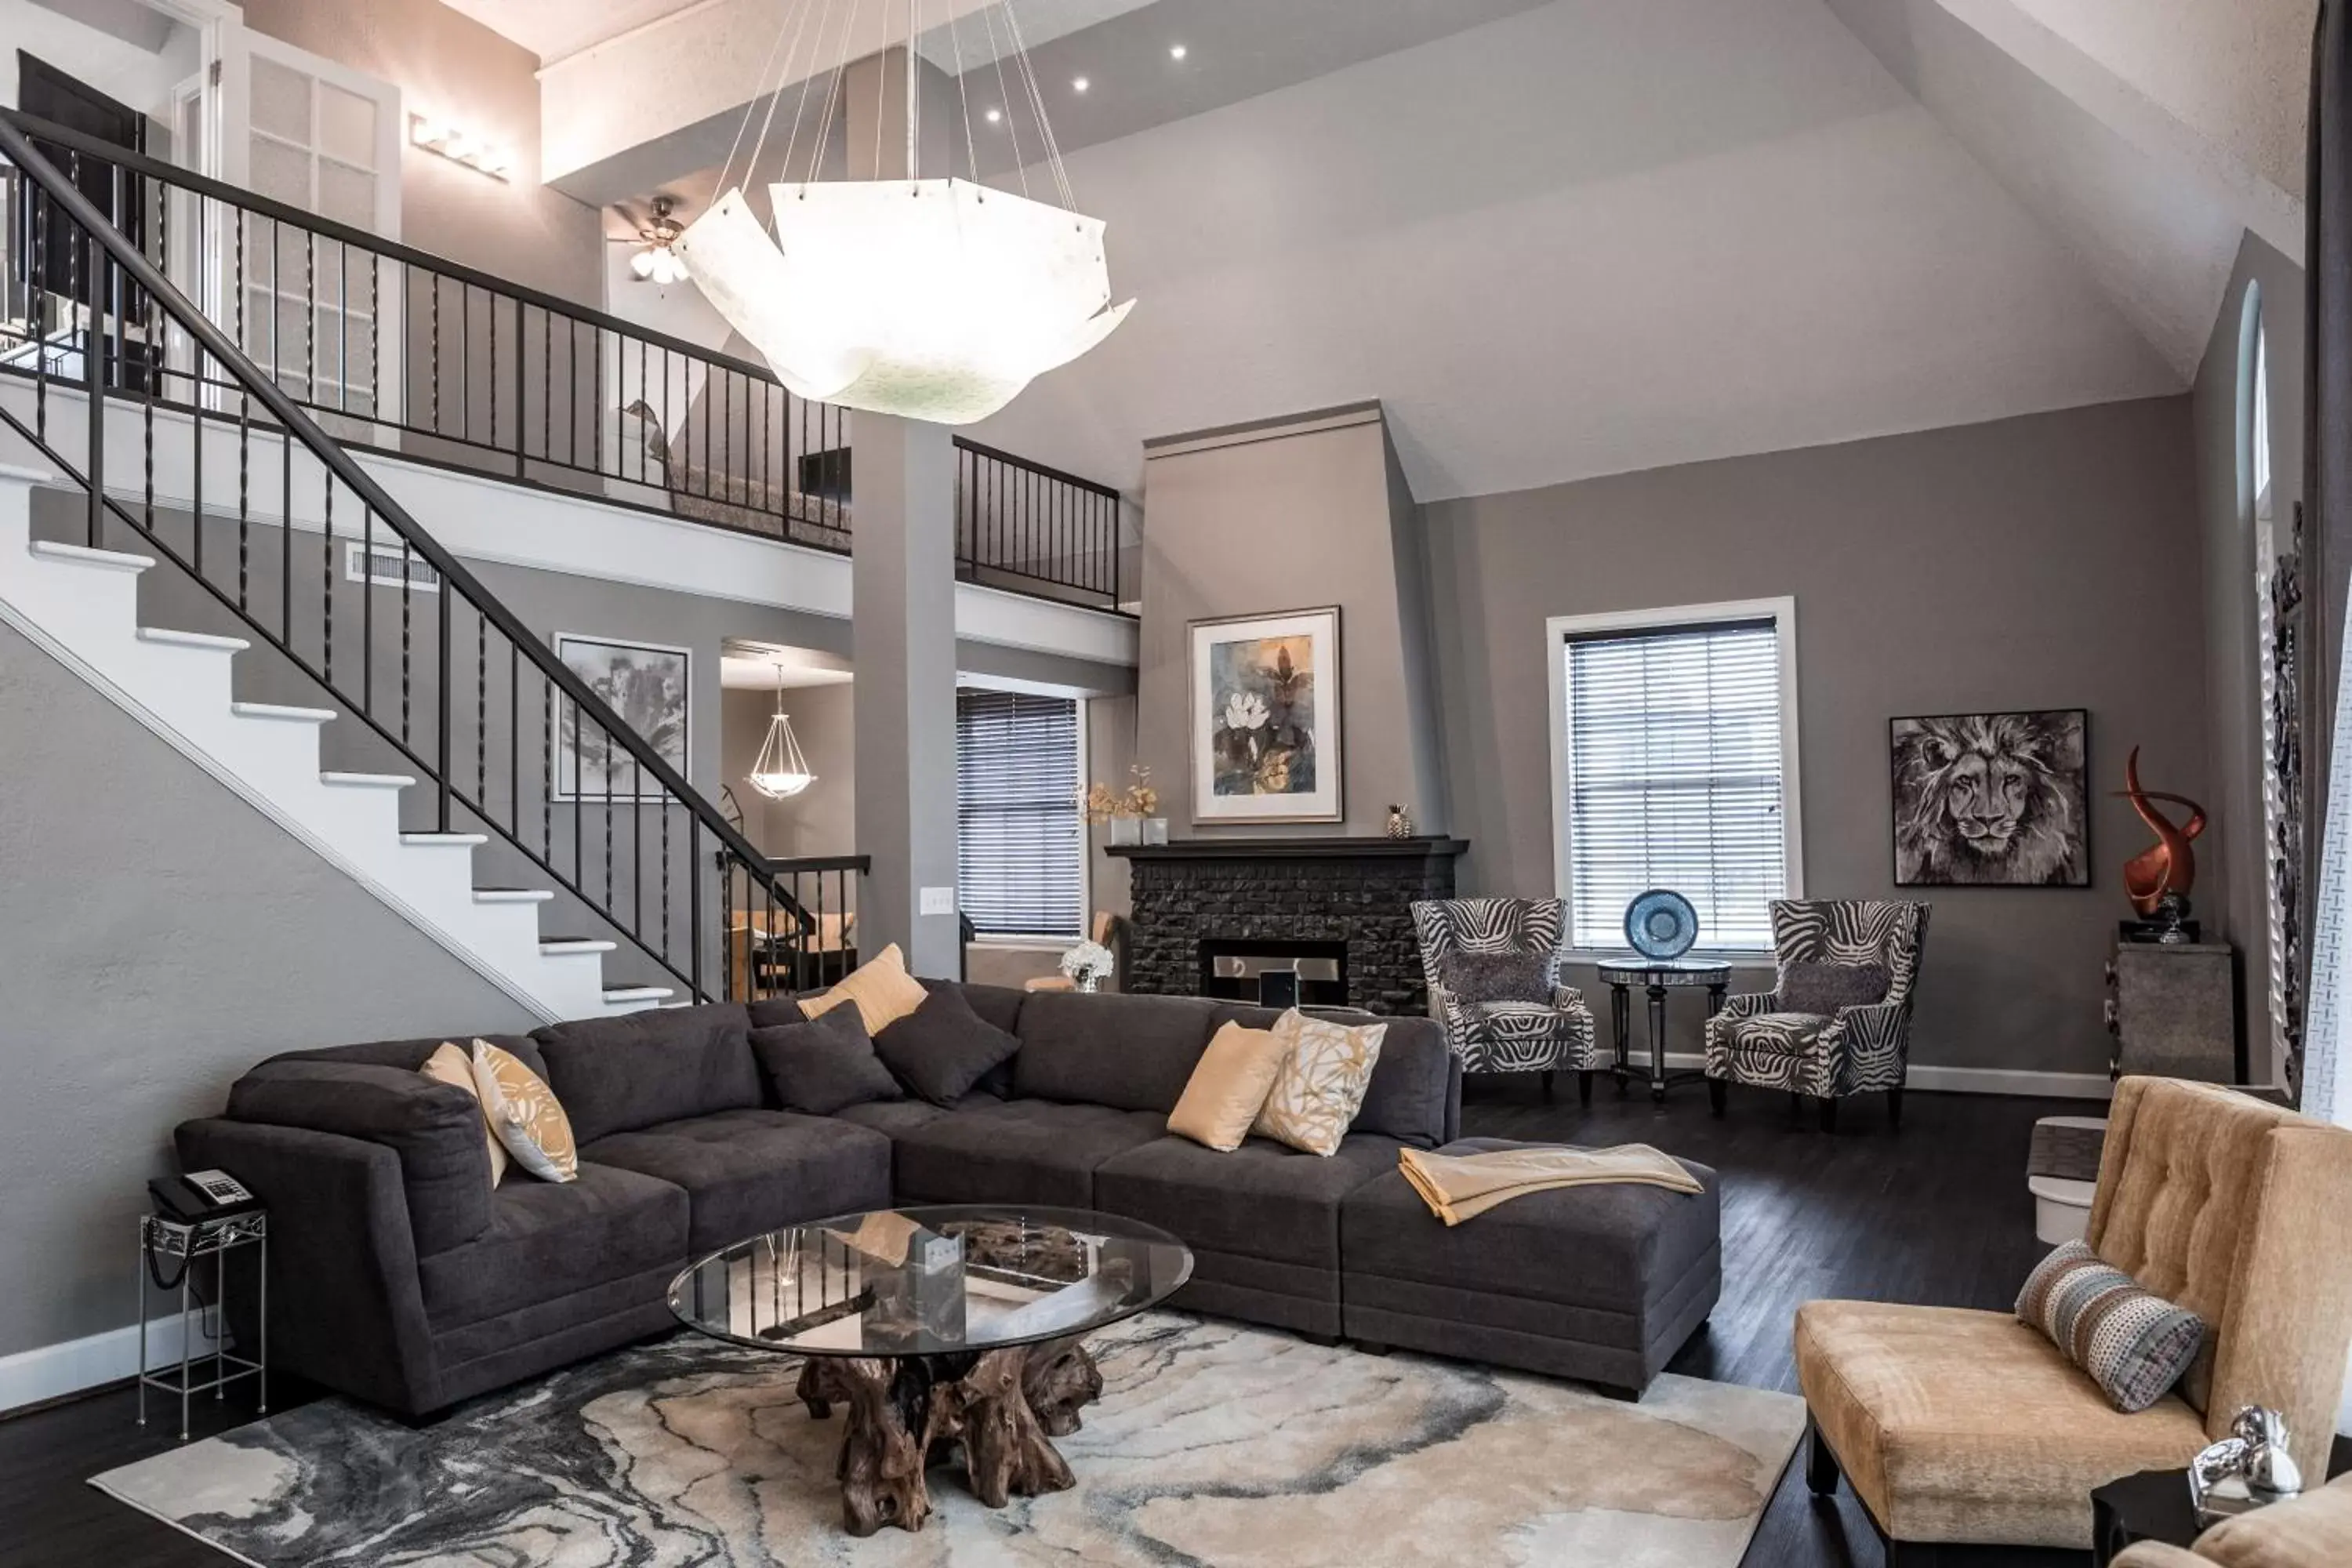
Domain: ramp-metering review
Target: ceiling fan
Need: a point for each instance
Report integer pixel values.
(656, 260)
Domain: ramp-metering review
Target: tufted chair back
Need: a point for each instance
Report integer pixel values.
(1853, 930)
(2234, 1209)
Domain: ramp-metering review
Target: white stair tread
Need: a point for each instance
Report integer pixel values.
(636, 994)
(557, 946)
(82, 554)
(512, 895)
(280, 710)
(368, 781)
(192, 639)
(445, 840)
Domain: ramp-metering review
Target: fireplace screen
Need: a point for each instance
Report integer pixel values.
(1274, 974)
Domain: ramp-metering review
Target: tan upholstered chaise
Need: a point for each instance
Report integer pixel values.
(1957, 1426)
(2314, 1530)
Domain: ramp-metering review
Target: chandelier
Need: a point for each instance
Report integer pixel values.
(781, 770)
(937, 299)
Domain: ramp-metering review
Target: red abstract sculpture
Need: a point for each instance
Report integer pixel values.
(2166, 869)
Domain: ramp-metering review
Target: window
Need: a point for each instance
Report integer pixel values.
(1674, 762)
(1021, 862)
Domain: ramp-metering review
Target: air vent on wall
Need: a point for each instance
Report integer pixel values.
(389, 568)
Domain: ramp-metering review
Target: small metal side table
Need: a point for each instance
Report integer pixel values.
(161, 1241)
(1658, 977)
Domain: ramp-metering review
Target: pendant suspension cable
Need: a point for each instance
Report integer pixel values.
(832, 95)
(963, 99)
(800, 101)
(744, 124)
(1028, 70)
(914, 92)
(1011, 122)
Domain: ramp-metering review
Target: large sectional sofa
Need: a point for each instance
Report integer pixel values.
(400, 1275)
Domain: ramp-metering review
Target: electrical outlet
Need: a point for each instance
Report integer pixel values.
(939, 901)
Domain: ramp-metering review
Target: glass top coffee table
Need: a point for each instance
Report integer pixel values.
(938, 1325)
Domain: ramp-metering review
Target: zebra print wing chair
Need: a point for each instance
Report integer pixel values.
(1520, 1036)
(1753, 1040)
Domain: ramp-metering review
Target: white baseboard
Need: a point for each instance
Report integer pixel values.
(1966, 1081)
(52, 1372)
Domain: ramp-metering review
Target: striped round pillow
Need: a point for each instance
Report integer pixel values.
(2133, 1345)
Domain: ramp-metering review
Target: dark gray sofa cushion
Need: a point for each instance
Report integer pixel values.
(1414, 1095)
(640, 1070)
(892, 1117)
(943, 1047)
(1609, 1247)
(1016, 1152)
(822, 1065)
(409, 1055)
(1263, 1200)
(436, 1130)
(1000, 1005)
(1132, 1053)
(748, 1172)
(548, 1240)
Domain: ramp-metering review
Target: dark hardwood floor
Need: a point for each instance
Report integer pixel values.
(1935, 1214)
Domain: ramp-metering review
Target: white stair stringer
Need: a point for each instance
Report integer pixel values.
(81, 606)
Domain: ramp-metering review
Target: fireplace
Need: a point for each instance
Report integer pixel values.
(1232, 968)
(1210, 914)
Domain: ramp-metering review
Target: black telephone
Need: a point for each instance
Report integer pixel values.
(200, 1197)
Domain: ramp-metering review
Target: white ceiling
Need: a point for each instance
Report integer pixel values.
(553, 30)
(745, 665)
(1590, 238)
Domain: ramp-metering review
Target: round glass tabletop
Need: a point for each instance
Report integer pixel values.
(942, 1280)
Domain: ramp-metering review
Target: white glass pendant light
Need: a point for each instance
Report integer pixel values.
(935, 299)
(781, 772)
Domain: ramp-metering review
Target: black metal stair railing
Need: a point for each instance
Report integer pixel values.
(274, 532)
(390, 347)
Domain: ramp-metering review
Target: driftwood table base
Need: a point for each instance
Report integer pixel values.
(1000, 1406)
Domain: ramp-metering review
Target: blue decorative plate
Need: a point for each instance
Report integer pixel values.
(1661, 925)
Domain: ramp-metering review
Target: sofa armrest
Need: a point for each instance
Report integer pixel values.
(346, 1308)
(1568, 999)
(2156, 1554)
(434, 1128)
(1749, 1005)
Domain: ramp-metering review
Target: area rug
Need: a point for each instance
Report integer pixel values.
(1212, 1444)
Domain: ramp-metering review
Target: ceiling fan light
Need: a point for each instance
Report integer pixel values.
(643, 262)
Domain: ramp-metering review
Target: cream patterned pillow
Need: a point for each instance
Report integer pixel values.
(1322, 1082)
(883, 989)
(524, 1113)
(449, 1065)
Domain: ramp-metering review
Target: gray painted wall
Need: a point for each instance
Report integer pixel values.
(1283, 518)
(2232, 860)
(2045, 562)
(163, 936)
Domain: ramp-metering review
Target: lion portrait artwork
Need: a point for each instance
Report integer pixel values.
(1992, 799)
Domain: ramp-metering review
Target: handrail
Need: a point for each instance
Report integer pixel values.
(1046, 470)
(299, 427)
(345, 234)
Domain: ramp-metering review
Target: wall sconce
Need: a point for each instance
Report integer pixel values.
(459, 146)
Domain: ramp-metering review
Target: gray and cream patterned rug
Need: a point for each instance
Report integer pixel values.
(1212, 1444)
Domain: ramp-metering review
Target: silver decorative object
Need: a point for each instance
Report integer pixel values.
(2248, 1469)
(1400, 823)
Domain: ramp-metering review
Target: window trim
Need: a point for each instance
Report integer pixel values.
(1031, 941)
(1558, 629)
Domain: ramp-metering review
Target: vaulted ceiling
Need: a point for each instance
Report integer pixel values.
(1586, 237)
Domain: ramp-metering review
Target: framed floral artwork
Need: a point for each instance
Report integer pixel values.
(1265, 718)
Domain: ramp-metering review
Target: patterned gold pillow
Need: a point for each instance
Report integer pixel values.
(449, 1065)
(525, 1115)
(883, 989)
(1322, 1082)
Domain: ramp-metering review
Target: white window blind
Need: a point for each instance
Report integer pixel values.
(1672, 777)
(1019, 847)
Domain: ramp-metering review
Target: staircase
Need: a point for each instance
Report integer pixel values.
(507, 755)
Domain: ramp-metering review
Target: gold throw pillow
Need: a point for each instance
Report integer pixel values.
(524, 1113)
(448, 1065)
(1321, 1084)
(883, 989)
(1228, 1088)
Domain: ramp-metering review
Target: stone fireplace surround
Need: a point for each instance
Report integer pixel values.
(1356, 890)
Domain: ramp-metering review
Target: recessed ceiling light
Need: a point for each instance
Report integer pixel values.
(1176, 51)
(994, 115)
(1079, 85)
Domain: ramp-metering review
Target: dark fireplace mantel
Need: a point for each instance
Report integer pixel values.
(1292, 849)
(1200, 896)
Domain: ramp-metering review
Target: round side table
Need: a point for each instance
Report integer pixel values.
(1658, 976)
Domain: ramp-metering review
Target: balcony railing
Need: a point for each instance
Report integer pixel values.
(393, 349)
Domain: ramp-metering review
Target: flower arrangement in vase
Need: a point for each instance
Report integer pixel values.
(1133, 813)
